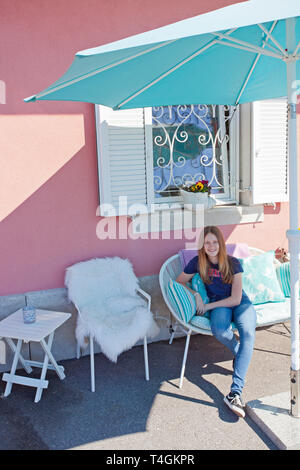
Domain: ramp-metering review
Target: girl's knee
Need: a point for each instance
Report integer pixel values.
(220, 319)
(248, 336)
(221, 333)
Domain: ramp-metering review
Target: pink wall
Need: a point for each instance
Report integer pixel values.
(48, 187)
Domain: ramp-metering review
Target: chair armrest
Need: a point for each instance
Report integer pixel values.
(144, 294)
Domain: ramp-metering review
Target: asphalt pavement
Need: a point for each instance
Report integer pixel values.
(128, 413)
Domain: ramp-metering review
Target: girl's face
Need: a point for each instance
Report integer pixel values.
(211, 246)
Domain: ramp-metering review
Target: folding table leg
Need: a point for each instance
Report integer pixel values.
(47, 348)
(13, 367)
(39, 390)
(21, 358)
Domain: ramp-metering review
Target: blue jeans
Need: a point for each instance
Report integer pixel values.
(244, 317)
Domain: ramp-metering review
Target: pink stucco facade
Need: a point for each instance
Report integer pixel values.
(48, 155)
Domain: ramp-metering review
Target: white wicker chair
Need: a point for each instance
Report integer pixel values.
(170, 270)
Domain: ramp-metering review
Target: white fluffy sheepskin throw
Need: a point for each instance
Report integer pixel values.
(104, 292)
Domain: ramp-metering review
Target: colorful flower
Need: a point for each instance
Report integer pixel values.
(199, 186)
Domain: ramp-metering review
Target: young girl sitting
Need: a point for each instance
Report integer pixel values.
(222, 276)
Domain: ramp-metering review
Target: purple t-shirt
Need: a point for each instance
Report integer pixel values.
(218, 289)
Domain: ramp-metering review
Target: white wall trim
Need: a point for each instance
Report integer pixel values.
(220, 215)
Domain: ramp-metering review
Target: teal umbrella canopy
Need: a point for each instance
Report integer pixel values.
(232, 55)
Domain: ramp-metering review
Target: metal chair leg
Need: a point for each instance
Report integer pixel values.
(77, 351)
(188, 335)
(146, 358)
(172, 331)
(92, 362)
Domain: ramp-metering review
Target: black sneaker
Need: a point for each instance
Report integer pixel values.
(234, 402)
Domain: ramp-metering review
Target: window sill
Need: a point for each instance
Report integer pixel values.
(232, 215)
(178, 218)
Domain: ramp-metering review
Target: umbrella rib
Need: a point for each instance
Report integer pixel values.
(273, 39)
(247, 78)
(177, 66)
(296, 50)
(107, 67)
(269, 46)
(246, 46)
(254, 65)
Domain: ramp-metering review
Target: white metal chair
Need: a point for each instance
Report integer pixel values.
(170, 270)
(71, 282)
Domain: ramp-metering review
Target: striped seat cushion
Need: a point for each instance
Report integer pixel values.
(284, 278)
(203, 322)
(182, 300)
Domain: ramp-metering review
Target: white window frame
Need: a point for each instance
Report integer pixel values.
(230, 196)
(241, 147)
(231, 192)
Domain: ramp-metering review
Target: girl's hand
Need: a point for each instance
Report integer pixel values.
(200, 306)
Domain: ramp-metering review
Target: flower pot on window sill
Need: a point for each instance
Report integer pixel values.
(197, 199)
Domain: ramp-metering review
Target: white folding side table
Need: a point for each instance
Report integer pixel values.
(13, 328)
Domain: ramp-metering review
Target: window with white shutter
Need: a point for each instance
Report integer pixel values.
(269, 158)
(145, 154)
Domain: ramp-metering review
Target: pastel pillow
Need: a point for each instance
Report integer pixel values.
(260, 280)
(239, 250)
(183, 300)
(185, 256)
(199, 286)
(284, 278)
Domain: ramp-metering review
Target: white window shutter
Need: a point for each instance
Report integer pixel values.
(269, 157)
(121, 158)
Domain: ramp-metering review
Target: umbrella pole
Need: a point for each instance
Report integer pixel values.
(293, 234)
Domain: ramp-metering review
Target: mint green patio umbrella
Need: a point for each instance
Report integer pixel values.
(241, 53)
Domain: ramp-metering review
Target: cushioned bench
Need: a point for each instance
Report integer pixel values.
(267, 313)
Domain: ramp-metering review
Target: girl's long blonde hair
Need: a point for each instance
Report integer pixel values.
(224, 261)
